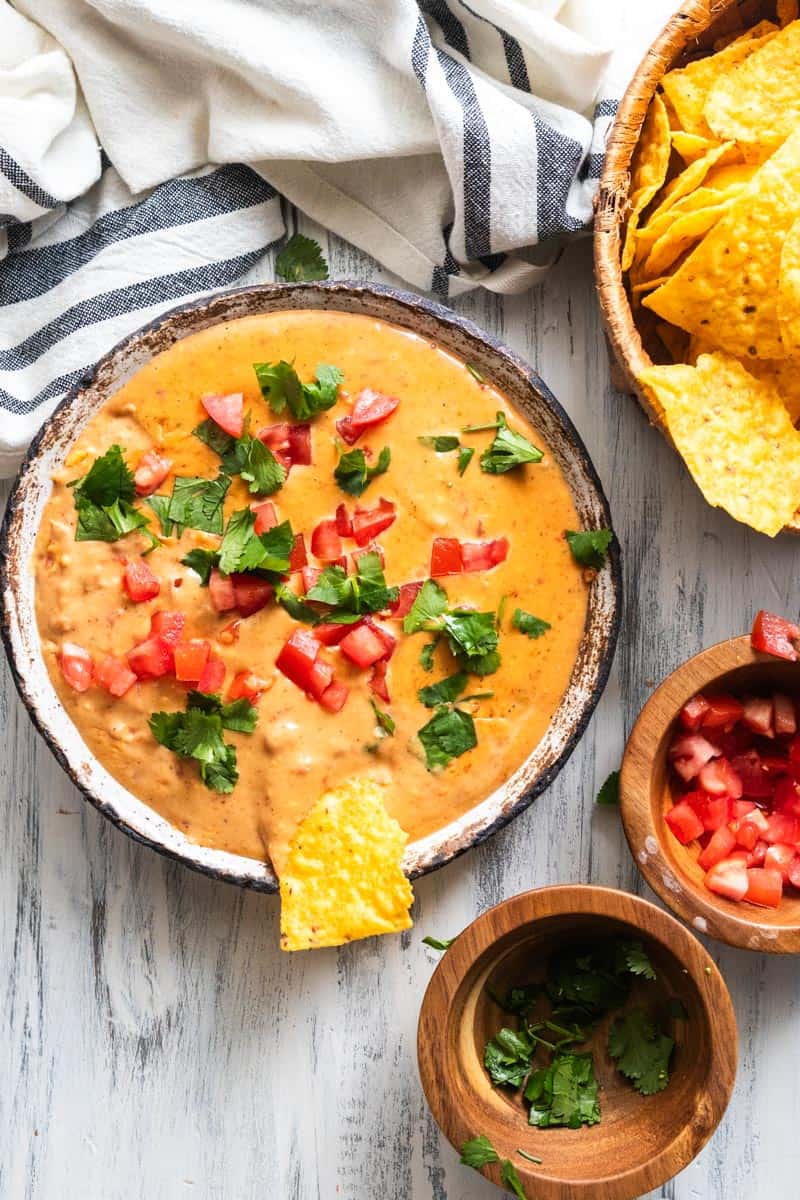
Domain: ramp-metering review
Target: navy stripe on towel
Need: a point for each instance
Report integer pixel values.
(22, 181)
(477, 160)
(454, 32)
(562, 156)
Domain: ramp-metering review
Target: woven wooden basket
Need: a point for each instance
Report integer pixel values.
(691, 32)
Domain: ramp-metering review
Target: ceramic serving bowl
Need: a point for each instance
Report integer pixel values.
(432, 321)
(640, 1141)
(646, 794)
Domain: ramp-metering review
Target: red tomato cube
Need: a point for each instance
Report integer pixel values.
(139, 581)
(370, 408)
(755, 779)
(298, 557)
(719, 778)
(326, 545)
(300, 445)
(250, 592)
(151, 658)
(112, 674)
(764, 887)
(689, 754)
(167, 625)
(691, 715)
(310, 577)
(220, 591)
(722, 713)
(758, 854)
(266, 517)
(377, 681)
(369, 522)
(334, 697)
(482, 556)
(780, 858)
(363, 646)
(782, 827)
(446, 557)
(720, 845)
(784, 714)
(728, 878)
(758, 715)
(740, 808)
(213, 676)
(151, 470)
(298, 657)
(774, 635)
(190, 659)
(226, 411)
(331, 635)
(76, 666)
(794, 873)
(344, 526)
(278, 439)
(406, 597)
(684, 822)
(249, 686)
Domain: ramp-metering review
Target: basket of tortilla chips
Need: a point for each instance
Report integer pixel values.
(697, 250)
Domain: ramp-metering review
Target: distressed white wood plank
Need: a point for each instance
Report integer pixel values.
(156, 1042)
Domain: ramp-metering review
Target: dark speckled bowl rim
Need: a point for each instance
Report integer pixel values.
(412, 302)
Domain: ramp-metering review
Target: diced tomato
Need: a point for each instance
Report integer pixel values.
(786, 797)
(344, 525)
(406, 597)
(755, 779)
(785, 719)
(740, 808)
(691, 715)
(758, 854)
(713, 811)
(782, 827)
(300, 445)
(388, 639)
(320, 677)
(278, 438)
(780, 858)
(774, 635)
(226, 411)
(372, 548)
(331, 635)
(363, 645)
(167, 625)
(114, 675)
(251, 593)
(298, 557)
(482, 556)
(794, 873)
(446, 557)
(764, 887)
(719, 778)
(151, 658)
(377, 681)
(139, 581)
(213, 676)
(310, 577)
(152, 470)
(76, 666)
(298, 657)
(758, 715)
(720, 845)
(190, 659)
(745, 833)
(266, 517)
(728, 878)
(684, 822)
(757, 820)
(370, 408)
(220, 591)
(326, 545)
(369, 522)
(689, 754)
(247, 685)
(723, 712)
(335, 696)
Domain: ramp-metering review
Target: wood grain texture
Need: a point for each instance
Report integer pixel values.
(157, 1043)
(647, 792)
(639, 1141)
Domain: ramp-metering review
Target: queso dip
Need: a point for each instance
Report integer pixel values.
(497, 541)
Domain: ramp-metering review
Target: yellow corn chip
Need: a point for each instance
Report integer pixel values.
(730, 177)
(758, 104)
(690, 146)
(687, 88)
(649, 170)
(782, 373)
(683, 232)
(789, 290)
(342, 878)
(690, 178)
(727, 289)
(759, 30)
(787, 11)
(735, 437)
(675, 341)
(698, 200)
(647, 285)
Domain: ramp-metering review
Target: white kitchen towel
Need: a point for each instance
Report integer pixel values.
(145, 144)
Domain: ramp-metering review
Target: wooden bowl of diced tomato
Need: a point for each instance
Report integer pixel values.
(710, 789)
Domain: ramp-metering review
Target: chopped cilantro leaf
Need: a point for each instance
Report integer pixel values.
(197, 734)
(498, 424)
(281, 388)
(438, 943)
(429, 604)
(507, 1057)
(641, 1052)
(221, 443)
(448, 734)
(426, 654)
(509, 1177)
(443, 692)
(197, 502)
(239, 715)
(519, 1000)
(295, 607)
(202, 562)
(475, 373)
(564, 1093)
(385, 722)
(301, 260)
(104, 501)
(243, 549)
(530, 1157)
(527, 623)
(472, 635)
(637, 960)
(160, 506)
(259, 467)
(590, 546)
(508, 450)
(586, 981)
(442, 443)
(352, 473)
(478, 1151)
(609, 792)
(109, 479)
(465, 456)
(351, 596)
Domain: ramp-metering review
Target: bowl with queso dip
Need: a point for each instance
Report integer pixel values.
(297, 535)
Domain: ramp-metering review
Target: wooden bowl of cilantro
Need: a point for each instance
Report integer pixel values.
(577, 1041)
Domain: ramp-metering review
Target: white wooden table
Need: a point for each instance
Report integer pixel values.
(156, 1042)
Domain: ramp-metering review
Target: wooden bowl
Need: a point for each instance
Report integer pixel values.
(692, 31)
(641, 1141)
(645, 795)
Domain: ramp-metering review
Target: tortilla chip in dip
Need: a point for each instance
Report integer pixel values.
(342, 879)
(758, 104)
(729, 283)
(734, 434)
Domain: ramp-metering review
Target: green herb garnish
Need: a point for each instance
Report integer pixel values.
(530, 1157)
(202, 562)
(509, 1176)
(196, 503)
(259, 467)
(443, 692)
(508, 450)
(609, 792)
(160, 506)
(297, 609)
(564, 1093)
(104, 501)
(352, 596)
(475, 373)
(352, 473)
(426, 654)
(519, 1000)
(242, 549)
(465, 455)
(527, 623)
(197, 733)
(478, 1152)
(281, 387)
(590, 546)
(301, 260)
(442, 443)
(640, 1051)
(507, 1057)
(438, 943)
(385, 721)
(449, 734)
(472, 636)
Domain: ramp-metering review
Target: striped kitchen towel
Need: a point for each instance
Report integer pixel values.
(145, 146)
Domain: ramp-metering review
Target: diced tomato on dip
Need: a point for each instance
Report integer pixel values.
(278, 439)
(251, 593)
(364, 645)
(774, 635)
(76, 666)
(220, 590)
(151, 658)
(298, 557)
(370, 408)
(167, 625)
(152, 469)
(300, 445)
(446, 557)
(310, 577)
(743, 809)
(326, 544)
(266, 517)
(249, 686)
(405, 599)
(114, 675)
(299, 661)
(369, 522)
(139, 581)
(335, 696)
(190, 659)
(331, 635)
(226, 411)
(377, 680)
(482, 556)
(344, 525)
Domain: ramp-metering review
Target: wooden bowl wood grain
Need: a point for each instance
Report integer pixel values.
(641, 1141)
(646, 794)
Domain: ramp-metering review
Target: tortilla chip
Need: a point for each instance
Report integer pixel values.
(690, 146)
(756, 31)
(690, 179)
(675, 341)
(782, 373)
(729, 178)
(683, 232)
(727, 288)
(735, 437)
(758, 104)
(789, 290)
(342, 878)
(687, 88)
(649, 170)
